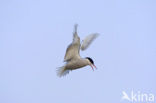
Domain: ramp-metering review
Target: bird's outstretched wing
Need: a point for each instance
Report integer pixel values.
(72, 51)
(88, 40)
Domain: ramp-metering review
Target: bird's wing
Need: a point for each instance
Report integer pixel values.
(88, 40)
(72, 51)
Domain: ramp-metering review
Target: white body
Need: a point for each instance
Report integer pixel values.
(72, 57)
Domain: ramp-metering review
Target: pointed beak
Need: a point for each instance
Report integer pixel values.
(93, 66)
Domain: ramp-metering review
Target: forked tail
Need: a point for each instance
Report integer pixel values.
(62, 71)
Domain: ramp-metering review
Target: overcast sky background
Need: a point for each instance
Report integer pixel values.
(34, 35)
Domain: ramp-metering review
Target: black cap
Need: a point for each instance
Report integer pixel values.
(91, 60)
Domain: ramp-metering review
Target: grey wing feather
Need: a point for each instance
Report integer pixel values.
(88, 40)
(72, 51)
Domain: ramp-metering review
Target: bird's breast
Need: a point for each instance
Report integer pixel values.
(76, 64)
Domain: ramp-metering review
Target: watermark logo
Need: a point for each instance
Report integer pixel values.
(137, 96)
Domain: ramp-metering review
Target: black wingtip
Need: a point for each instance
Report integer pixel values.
(75, 28)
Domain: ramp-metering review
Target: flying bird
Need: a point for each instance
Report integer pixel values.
(72, 56)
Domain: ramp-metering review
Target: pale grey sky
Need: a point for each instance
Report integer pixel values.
(34, 35)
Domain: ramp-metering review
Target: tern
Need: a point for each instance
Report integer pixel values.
(72, 56)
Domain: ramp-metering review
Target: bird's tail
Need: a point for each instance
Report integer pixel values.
(62, 71)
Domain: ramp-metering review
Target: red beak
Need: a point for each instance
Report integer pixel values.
(92, 65)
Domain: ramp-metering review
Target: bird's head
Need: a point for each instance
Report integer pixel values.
(91, 63)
